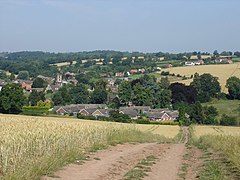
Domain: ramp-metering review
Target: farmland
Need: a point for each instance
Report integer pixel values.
(230, 107)
(222, 71)
(33, 146)
(220, 140)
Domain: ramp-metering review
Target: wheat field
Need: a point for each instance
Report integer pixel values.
(225, 140)
(216, 130)
(222, 71)
(34, 146)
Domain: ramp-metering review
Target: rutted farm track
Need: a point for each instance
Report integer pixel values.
(116, 162)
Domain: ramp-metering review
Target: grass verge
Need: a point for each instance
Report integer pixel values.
(222, 155)
(141, 169)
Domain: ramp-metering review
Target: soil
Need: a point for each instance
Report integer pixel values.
(114, 162)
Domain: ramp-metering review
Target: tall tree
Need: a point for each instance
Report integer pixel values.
(11, 99)
(125, 92)
(35, 96)
(39, 83)
(183, 93)
(23, 75)
(80, 94)
(207, 87)
(233, 85)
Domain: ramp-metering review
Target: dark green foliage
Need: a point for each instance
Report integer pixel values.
(183, 93)
(62, 96)
(210, 114)
(145, 91)
(228, 120)
(125, 92)
(23, 75)
(39, 83)
(182, 119)
(35, 96)
(35, 110)
(99, 96)
(80, 94)
(11, 99)
(233, 85)
(119, 117)
(207, 87)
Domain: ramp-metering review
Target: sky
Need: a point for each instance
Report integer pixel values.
(125, 25)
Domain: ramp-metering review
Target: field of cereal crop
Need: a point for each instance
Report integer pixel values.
(33, 146)
(222, 71)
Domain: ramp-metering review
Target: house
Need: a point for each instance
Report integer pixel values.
(111, 81)
(132, 71)
(199, 62)
(142, 70)
(159, 117)
(25, 84)
(168, 66)
(131, 112)
(2, 83)
(87, 111)
(161, 58)
(37, 89)
(69, 75)
(69, 109)
(52, 88)
(189, 63)
(119, 74)
(47, 79)
(227, 61)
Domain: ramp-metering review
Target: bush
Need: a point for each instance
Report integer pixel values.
(35, 110)
(228, 120)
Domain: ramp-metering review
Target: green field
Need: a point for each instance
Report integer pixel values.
(229, 107)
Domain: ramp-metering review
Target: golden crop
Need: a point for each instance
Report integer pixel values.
(33, 146)
(222, 71)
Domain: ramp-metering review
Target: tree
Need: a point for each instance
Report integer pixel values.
(207, 87)
(12, 99)
(228, 120)
(80, 94)
(39, 83)
(99, 96)
(183, 93)
(125, 92)
(23, 75)
(216, 53)
(210, 114)
(233, 85)
(62, 96)
(141, 95)
(12, 77)
(35, 96)
(197, 113)
(183, 120)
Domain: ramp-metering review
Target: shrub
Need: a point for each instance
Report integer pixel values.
(228, 120)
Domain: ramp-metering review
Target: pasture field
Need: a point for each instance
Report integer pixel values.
(222, 71)
(33, 146)
(229, 107)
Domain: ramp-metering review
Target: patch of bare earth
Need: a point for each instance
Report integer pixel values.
(174, 161)
(112, 163)
(168, 164)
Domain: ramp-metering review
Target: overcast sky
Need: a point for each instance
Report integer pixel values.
(126, 25)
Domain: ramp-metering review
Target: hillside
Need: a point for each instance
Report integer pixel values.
(222, 71)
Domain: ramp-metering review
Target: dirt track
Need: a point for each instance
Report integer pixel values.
(115, 162)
